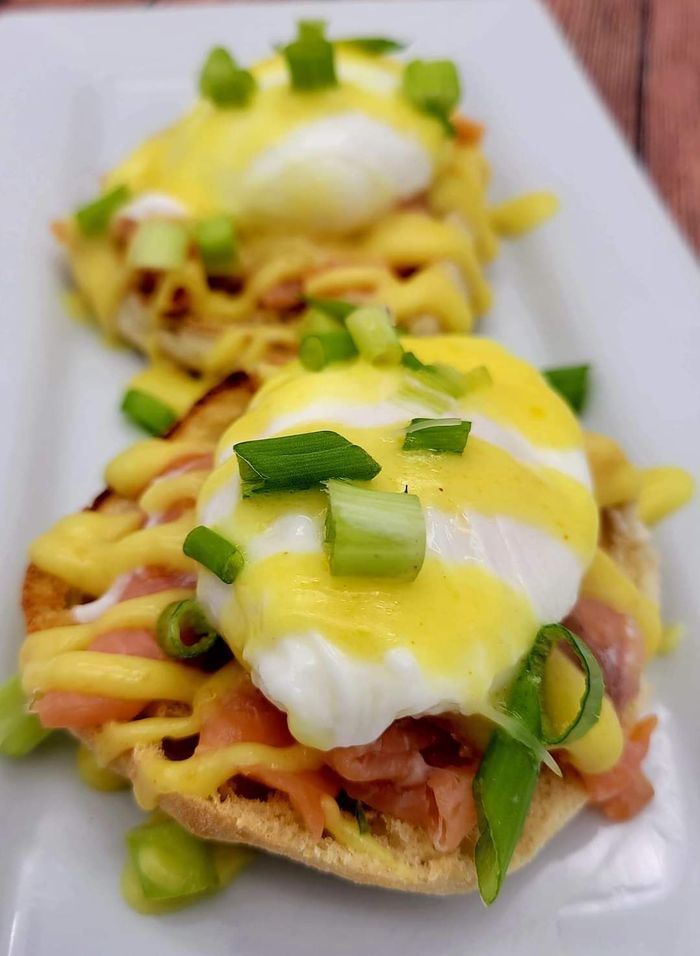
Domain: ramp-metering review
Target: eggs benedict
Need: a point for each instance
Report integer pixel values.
(330, 170)
(401, 637)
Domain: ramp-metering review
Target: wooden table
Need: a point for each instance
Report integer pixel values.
(644, 57)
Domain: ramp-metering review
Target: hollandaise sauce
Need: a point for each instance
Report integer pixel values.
(511, 529)
(345, 191)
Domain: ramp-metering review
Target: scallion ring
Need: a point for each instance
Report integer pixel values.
(94, 217)
(310, 58)
(571, 382)
(437, 434)
(20, 731)
(317, 351)
(374, 335)
(374, 533)
(214, 552)
(223, 82)
(148, 412)
(183, 630)
(335, 308)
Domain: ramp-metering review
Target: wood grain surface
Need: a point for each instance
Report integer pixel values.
(644, 58)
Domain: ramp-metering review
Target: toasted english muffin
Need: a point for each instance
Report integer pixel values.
(403, 857)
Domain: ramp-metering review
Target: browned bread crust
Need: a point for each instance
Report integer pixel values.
(271, 824)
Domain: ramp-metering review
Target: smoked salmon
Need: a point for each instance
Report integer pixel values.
(625, 790)
(70, 710)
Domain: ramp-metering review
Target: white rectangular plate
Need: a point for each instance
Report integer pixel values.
(608, 281)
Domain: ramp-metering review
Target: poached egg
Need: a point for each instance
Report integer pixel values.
(512, 525)
(328, 161)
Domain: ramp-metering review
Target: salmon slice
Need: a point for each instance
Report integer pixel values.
(245, 716)
(617, 643)
(71, 710)
(394, 756)
(624, 791)
(443, 806)
(305, 789)
(393, 776)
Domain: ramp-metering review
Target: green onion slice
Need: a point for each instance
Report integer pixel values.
(507, 776)
(374, 533)
(571, 381)
(317, 351)
(94, 217)
(374, 46)
(158, 864)
(433, 86)
(159, 244)
(223, 82)
(437, 434)
(374, 335)
(310, 58)
(184, 619)
(295, 462)
(314, 322)
(214, 552)
(148, 412)
(335, 308)
(439, 376)
(216, 241)
(477, 378)
(592, 697)
(170, 863)
(20, 732)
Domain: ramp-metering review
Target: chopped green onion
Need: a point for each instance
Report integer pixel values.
(315, 322)
(295, 462)
(477, 378)
(158, 244)
(223, 82)
(592, 697)
(571, 381)
(169, 862)
(214, 552)
(20, 732)
(98, 777)
(148, 412)
(374, 335)
(216, 241)
(437, 376)
(433, 86)
(375, 46)
(437, 434)
(310, 58)
(374, 533)
(159, 863)
(184, 619)
(317, 351)
(94, 217)
(507, 776)
(335, 308)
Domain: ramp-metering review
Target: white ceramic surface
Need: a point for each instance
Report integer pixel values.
(608, 281)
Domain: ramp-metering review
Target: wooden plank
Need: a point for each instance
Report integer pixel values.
(607, 37)
(671, 120)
